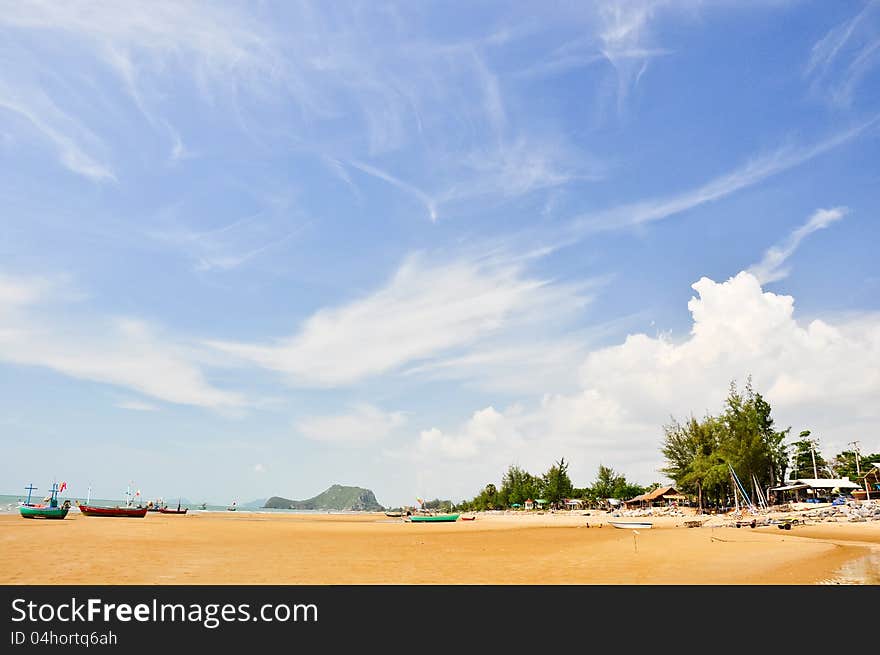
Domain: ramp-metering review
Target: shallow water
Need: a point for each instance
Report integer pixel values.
(862, 571)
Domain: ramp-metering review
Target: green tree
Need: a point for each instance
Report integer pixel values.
(808, 460)
(692, 459)
(556, 484)
(700, 454)
(749, 444)
(517, 486)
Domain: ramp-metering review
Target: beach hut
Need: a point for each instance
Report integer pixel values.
(661, 496)
(574, 503)
(530, 504)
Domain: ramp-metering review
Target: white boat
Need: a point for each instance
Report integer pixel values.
(631, 525)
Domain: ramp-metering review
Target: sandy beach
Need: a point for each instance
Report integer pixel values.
(555, 549)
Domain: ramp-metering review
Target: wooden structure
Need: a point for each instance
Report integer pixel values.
(660, 497)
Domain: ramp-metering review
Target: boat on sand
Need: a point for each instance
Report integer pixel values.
(53, 510)
(94, 510)
(433, 518)
(127, 510)
(631, 525)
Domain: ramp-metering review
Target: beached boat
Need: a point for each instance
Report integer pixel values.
(468, 518)
(53, 510)
(127, 510)
(631, 525)
(434, 518)
(394, 514)
(864, 494)
(94, 510)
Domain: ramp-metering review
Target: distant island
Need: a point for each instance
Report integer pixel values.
(337, 497)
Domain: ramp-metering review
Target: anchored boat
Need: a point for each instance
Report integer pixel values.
(168, 510)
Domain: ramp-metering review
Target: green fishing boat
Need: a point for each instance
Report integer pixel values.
(435, 518)
(53, 510)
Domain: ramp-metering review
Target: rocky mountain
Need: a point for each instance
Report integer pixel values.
(337, 497)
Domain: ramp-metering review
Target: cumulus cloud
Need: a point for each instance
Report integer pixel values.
(824, 374)
(365, 424)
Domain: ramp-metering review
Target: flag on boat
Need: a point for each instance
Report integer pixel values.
(62, 487)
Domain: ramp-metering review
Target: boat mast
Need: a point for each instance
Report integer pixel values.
(30, 488)
(735, 496)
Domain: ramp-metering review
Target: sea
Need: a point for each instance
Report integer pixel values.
(9, 505)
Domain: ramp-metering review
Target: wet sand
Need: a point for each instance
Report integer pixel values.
(255, 548)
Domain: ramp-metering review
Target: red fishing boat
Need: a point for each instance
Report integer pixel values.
(92, 510)
(168, 510)
(128, 509)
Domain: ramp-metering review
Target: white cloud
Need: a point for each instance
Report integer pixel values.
(481, 430)
(137, 406)
(847, 53)
(751, 173)
(426, 311)
(259, 468)
(821, 374)
(65, 133)
(39, 329)
(218, 46)
(365, 424)
(769, 269)
(420, 195)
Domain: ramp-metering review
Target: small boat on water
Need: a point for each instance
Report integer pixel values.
(203, 506)
(433, 518)
(232, 507)
(631, 525)
(169, 510)
(53, 510)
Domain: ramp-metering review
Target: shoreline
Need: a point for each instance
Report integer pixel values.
(243, 547)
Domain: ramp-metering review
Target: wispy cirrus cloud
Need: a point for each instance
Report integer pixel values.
(219, 45)
(846, 55)
(770, 269)
(38, 328)
(428, 310)
(137, 406)
(753, 172)
(68, 136)
(230, 245)
(429, 203)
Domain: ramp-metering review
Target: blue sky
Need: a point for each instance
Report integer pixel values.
(257, 249)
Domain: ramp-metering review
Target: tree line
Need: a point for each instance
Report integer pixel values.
(553, 487)
(700, 456)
